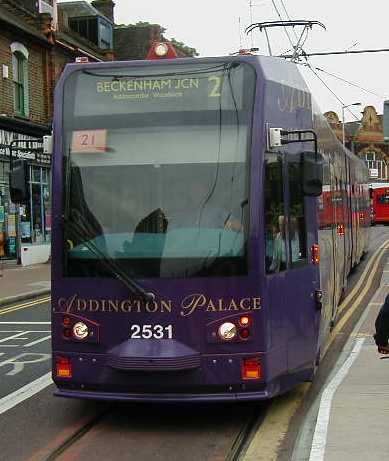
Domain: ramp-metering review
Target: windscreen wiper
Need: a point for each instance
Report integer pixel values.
(79, 228)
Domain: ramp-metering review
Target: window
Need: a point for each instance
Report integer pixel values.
(105, 35)
(383, 199)
(296, 224)
(39, 215)
(275, 254)
(20, 78)
(95, 29)
(378, 168)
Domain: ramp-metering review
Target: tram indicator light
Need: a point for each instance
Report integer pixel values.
(315, 254)
(244, 321)
(244, 333)
(63, 367)
(251, 369)
(66, 321)
(341, 229)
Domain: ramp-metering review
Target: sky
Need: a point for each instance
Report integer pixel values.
(216, 28)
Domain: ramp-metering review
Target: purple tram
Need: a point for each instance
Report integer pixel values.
(205, 221)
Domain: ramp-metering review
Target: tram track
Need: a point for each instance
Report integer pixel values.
(72, 439)
(194, 436)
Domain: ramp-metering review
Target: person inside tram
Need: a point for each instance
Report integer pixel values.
(381, 336)
(196, 211)
(279, 254)
(294, 239)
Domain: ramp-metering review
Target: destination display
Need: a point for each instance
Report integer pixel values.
(99, 95)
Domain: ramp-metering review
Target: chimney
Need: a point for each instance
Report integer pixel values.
(105, 7)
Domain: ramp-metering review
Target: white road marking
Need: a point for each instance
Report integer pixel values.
(27, 391)
(37, 341)
(18, 365)
(25, 323)
(320, 436)
(16, 335)
(26, 337)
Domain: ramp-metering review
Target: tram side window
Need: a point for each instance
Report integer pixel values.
(296, 225)
(275, 254)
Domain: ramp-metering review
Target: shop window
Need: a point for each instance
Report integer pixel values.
(20, 78)
(39, 214)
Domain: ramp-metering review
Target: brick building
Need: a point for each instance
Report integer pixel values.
(37, 39)
(366, 139)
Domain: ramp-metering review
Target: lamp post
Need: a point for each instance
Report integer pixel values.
(343, 130)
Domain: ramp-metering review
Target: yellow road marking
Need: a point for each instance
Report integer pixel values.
(26, 305)
(265, 443)
(361, 295)
(356, 288)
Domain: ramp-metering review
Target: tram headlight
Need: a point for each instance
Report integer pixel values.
(227, 331)
(80, 330)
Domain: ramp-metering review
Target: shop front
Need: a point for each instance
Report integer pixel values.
(25, 231)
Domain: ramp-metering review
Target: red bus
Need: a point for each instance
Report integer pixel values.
(380, 204)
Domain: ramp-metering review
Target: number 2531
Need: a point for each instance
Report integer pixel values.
(151, 332)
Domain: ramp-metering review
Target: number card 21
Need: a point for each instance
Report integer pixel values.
(89, 141)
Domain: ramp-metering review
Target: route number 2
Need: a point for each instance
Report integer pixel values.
(215, 84)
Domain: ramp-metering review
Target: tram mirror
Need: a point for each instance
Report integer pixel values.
(18, 182)
(312, 173)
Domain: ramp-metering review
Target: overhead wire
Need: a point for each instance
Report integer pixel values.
(287, 15)
(331, 91)
(350, 83)
(313, 69)
(285, 29)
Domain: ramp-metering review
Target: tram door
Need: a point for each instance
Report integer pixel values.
(302, 275)
(338, 239)
(291, 277)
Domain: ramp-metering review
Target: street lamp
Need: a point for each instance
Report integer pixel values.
(343, 130)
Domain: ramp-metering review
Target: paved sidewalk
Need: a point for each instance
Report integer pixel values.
(18, 283)
(357, 397)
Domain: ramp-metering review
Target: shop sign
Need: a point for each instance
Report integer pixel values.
(6, 138)
(373, 172)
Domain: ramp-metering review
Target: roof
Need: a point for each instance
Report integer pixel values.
(16, 22)
(351, 128)
(79, 9)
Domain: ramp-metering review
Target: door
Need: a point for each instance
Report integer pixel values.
(302, 277)
(291, 278)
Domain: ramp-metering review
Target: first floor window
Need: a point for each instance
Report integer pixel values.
(20, 79)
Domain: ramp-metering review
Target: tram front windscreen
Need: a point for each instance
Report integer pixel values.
(156, 169)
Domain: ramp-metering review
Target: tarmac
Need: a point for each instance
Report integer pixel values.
(18, 283)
